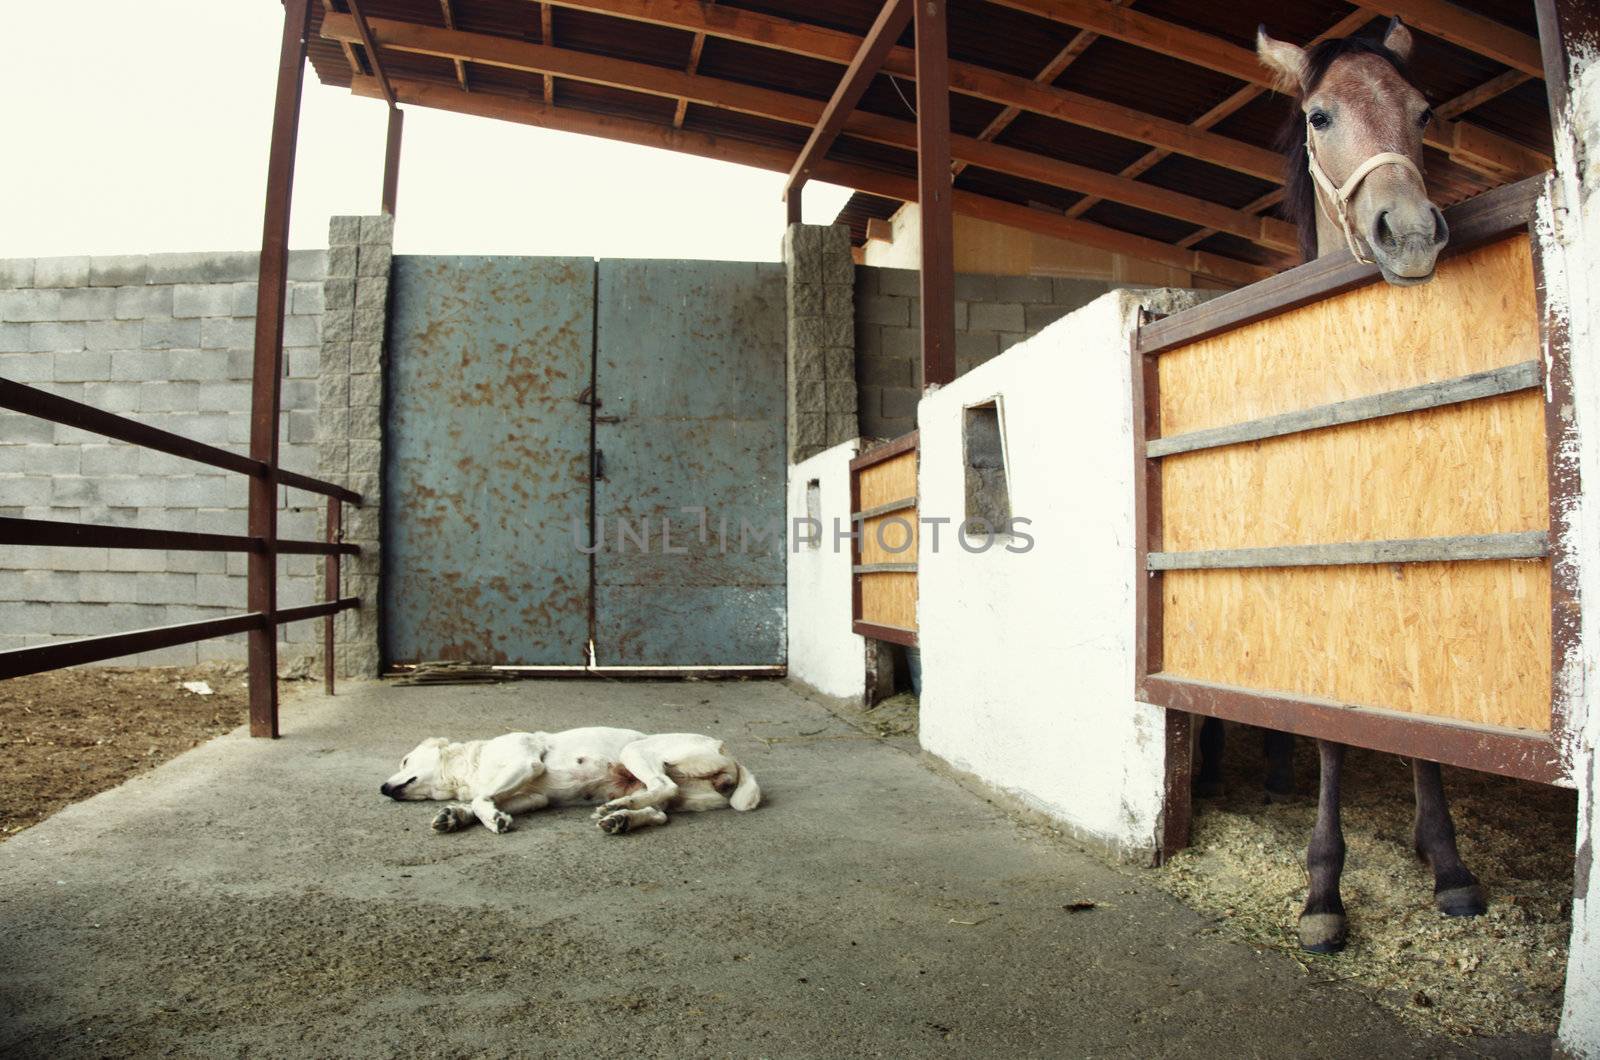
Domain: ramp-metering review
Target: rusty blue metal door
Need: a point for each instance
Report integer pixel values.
(487, 455)
(689, 437)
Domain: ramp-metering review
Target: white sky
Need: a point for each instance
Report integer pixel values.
(138, 126)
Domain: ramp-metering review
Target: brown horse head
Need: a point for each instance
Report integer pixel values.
(1355, 152)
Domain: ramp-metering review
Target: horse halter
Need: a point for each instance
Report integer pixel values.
(1342, 194)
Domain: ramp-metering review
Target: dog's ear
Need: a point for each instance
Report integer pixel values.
(435, 741)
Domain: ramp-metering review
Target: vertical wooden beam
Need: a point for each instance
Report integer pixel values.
(391, 161)
(1564, 26)
(267, 373)
(934, 193)
(792, 204)
(450, 23)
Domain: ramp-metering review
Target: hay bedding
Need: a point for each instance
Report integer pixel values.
(1493, 975)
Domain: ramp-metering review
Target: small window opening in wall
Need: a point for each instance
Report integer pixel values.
(988, 496)
(813, 528)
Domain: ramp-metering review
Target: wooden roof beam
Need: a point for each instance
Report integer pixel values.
(348, 48)
(885, 33)
(1491, 154)
(778, 159)
(547, 34)
(365, 31)
(450, 23)
(817, 42)
(512, 54)
(1466, 29)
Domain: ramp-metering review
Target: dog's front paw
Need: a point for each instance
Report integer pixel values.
(500, 823)
(449, 819)
(615, 823)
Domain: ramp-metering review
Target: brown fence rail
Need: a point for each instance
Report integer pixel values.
(17, 531)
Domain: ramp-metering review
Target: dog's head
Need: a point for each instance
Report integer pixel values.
(421, 775)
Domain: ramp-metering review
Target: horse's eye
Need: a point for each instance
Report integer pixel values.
(1319, 119)
(1425, 117)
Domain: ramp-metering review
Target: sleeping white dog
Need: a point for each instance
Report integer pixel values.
(635, 778)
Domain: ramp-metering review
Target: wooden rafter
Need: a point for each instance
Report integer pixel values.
(547, 34)
(697, 47)
(1473, 98)
(817, 42)
(777, 159)
(519, 55)
(1053, 69)
(886, 29)
(1489, 153)
(1466, 29)
(348, 48)
(364, 34)
(450, 23)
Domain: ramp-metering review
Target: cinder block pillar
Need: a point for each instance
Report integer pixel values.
(820, 292)
(350, 430)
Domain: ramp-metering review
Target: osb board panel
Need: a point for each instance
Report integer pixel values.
(1468, 641)
(1473, 468)
(893, 480)
(1478, 313)
(890, 538)
(889, 599)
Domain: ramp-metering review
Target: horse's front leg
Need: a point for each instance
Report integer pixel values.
(1322, 922)
(1456, 890)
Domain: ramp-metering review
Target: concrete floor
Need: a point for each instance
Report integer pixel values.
(259, 898)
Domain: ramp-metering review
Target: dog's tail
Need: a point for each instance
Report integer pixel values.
(747, 795)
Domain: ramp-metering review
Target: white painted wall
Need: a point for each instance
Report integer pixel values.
(824, 654)
(1028, 659)
(1569, 226)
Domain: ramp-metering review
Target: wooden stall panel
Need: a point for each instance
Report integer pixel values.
(1467, 641)
(1478, 313)
(890, 538)
(893, 480)
(889, 599)
(1472, 468)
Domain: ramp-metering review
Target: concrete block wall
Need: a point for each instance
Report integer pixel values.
(350, 440)
(819, 288)
(993, 313)
(165, 339)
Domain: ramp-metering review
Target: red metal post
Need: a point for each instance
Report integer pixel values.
(266, 384)
(330, 571)
(391, 161)
(938, 274)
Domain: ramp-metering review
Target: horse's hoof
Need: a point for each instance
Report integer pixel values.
(1207, 789)
(615, 823)
(1322, 932)
(1278, 798)
(1462, 901)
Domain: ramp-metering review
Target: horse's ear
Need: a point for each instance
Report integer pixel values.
(1398, 40)
(1288, 62)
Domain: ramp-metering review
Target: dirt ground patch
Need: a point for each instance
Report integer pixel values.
(70, 734)
(1496, 974)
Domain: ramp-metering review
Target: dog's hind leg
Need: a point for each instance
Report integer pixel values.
(646, 763)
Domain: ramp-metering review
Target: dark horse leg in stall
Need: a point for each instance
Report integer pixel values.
(1456, 890)
(1278, 748)
(1208, 778)
(1322, 922)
